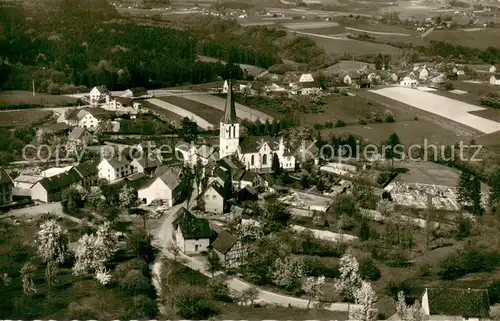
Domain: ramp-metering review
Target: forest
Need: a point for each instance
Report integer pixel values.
(84, 46)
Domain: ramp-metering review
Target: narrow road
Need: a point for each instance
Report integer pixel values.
(164, 238)
(321, 36)
(379, 32)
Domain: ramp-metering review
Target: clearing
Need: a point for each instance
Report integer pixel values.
(451, 109)
(211, 114)
(23, 117)
(339, 46)
(242, 112)
(250, 69)
(21, 97)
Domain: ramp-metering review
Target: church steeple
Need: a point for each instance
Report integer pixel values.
(230, 109)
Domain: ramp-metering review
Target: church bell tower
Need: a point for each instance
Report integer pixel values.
(229, 137)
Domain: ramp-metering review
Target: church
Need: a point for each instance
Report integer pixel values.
(256, 153)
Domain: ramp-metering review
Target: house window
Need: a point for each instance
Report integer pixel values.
(264, 160)
(252, 160)
(207, 196)
(213, 197)
(196, 248)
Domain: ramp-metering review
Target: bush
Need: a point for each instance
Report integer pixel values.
(368, 270)
(383, 177)
(494, 292)
(135, 264)
(393, 287)
(469, 261)
(308, 245)
(143, 307)
(314, 267)
(397, 258)
(195, 307)
(134, 283)
(365, 231)
(340, 123)
(79, 312)
(464, 228)
(220, 291)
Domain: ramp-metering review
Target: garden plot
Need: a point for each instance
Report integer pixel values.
(242, 112)
(182, 112)
(451, 109)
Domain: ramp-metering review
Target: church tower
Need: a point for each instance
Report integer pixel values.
(229, 137)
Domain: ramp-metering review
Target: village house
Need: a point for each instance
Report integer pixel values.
(192, 234)
(135, 92)
(409, 82)
(97, 94)
(495, 79)
(5, 188)
(162, 187)
(351, 78)
(492, 69)
(50, 189)
(249, 178)
(455, 304)
(89, 174)
(81, 134)
(231, 251)
(23, 184)
(191, 153)
(423, 73)
(214, 199)
(90, 118)
(114, 169)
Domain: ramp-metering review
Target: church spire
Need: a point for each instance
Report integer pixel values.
(230, 109)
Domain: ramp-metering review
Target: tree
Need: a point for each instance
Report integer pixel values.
(52, 242)
(27, 273)
(127, 197)
(275, 216)
(198, 175)
(103, 275)
(186, 185)
(494, 197)
(366, 298)
(392, 143)
(313, 287)
(250, 294)
(72, 200)
(401, 307)
(275, 167)
(464, 185)
(408, 313)
(287, 272)
(213, 263)
(140, 242)
(379, 62)
(94, 199)
(385, 207)
(469, 192)
(368, 270)
(349, 279)
(189, 130)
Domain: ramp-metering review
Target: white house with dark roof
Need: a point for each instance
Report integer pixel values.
(162, 187)
(191, 234)
(49, 189)
(80, 134)
(114, 169)
(495, 79)
(23, 184)
(97, 94)
(87, 120)
(213, 198)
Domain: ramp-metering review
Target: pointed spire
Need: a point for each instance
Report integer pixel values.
(230, 109)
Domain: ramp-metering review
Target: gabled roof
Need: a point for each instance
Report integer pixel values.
(354, 75)
(72, 114)
(124, 101)
(192, 227)
(30, 179)
(205, 151)
(101, 89)
(230, 109)
(231, 162)
(139, 91)
(148, 160)
(98, 113)
(117, 162)
(216, 187)
(4, 177)
(252, 144)
(61, 181)
(87, 169)
(224, 242)
(222, 174)
(470, 303)
(55, 127)
(77, 132)
(169, 176)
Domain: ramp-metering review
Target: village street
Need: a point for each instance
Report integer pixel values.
(163, 238)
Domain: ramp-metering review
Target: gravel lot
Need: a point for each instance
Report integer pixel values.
(451, 109)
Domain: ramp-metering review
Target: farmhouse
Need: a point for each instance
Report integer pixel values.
(5, 188)
(409, 82)
(135, 92)
(91, 117)
(351, 78)
(50, 189)
(455, 304)
(308, 88)
(192, 234)
(423, 73)
(114, 169)
(53, 171)
(89, 174)
(146, 161)
(231, 251)
(162, 187)
(80, 134)
(214, 200)
(495, 80)
(97, 94)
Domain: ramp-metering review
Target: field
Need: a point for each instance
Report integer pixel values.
(346, 66)
(480, 39)
(346, 108)
(208, 113)
(20, 97)
(451, 109)
(250, 69)
(337, 46)
(23, 117)
(381, 29)
(168, 115)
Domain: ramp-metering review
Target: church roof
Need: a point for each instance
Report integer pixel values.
(230, 109)
(252, 144)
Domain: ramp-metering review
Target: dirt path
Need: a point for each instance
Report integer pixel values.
(379, 32)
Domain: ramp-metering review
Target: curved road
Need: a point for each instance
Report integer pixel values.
(164, 238)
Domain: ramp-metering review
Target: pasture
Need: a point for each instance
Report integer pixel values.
(21, 97)
(337, 46)
(23, 117)
(208, 113)
(480, 39)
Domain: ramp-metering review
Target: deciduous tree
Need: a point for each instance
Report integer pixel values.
(313, 287)
(365, 297)
(349, 279)
(286, 272)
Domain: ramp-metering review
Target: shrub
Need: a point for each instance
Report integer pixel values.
(79, 312)
(220, 291)
(340, 123)
(143, 307)
(135, 264)
(468, 261)
(368, 270)
(195, 307)
(464, 228)
(318, 126)
(134, 283)
(397, 258)
(329, 124)
(494, 292)
(393, 287)
(346, 223)
(314, 267)
(383, 177)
